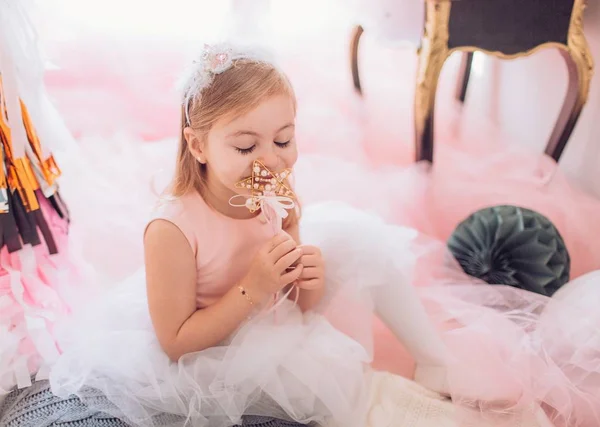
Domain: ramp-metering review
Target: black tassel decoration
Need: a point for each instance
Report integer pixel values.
(23, 221)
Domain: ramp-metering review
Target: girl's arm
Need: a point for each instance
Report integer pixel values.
(307, 299)
(171, 282)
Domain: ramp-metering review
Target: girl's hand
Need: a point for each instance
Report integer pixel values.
(269, 272)
(313, 273)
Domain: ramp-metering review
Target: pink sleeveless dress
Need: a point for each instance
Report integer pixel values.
(223, 247)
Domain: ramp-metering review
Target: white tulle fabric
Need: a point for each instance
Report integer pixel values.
(286, 364)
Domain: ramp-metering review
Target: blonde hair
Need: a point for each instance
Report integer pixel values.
(232, 93)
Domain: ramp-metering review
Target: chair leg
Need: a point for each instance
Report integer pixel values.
(579, 74)
(356, 34)
(464, 73)
(432, 55)
(580, 67)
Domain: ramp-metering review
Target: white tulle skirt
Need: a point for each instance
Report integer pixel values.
(310, 367)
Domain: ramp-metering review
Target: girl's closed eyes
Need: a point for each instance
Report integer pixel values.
(245, 151)
(250, 149)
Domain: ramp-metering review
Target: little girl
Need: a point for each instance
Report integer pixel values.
(240, 311)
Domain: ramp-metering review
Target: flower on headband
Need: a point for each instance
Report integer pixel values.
(216, 60)
(213, 60)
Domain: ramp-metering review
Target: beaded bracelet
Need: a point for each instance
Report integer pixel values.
(245, 294)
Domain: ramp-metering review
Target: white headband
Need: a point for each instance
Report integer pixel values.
(213, 60)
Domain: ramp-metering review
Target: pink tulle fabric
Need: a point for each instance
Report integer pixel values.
(514, 350)
(510, 344)
(36, 290)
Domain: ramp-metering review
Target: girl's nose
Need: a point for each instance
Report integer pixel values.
(270, 160)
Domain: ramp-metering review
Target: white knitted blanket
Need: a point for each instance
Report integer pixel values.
(398, 402)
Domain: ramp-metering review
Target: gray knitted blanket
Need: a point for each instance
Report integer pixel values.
(36, 406)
